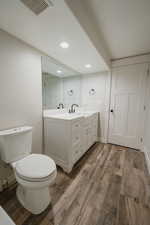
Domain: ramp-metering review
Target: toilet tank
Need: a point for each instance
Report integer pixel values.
(15, 143)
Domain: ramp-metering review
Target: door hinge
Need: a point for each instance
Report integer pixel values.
(144, 107)
(141, 139)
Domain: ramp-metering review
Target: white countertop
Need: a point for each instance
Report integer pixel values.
(69, 116)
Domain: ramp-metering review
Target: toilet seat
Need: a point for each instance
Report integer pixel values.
(35, 167)
(37, 180)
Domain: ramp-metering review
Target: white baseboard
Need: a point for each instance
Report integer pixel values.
(145, 150)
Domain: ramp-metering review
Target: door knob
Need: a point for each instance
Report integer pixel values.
(112, 110)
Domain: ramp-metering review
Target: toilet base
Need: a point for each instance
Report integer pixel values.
(34, 200)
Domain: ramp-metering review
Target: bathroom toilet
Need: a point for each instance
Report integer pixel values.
(34, 172)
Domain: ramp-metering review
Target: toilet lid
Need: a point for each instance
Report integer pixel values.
(35, 166)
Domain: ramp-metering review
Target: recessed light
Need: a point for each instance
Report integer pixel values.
(59, 71)
(64, 44)
(88, 65)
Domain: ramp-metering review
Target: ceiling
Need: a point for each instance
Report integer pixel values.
(125, 25)
(47, 30)
(97, 30)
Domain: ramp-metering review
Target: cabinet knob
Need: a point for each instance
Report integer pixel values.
(111, 110)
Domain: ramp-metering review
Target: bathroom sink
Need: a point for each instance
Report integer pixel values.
(74, 115)
(67, 116)
(70, 116)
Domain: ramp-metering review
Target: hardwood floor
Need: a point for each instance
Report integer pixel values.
(110, 185)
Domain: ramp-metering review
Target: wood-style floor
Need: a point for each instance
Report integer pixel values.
(110, 185)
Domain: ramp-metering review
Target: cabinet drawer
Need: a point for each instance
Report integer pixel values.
(76, 128)
(76, 125)
(76, 132)
(95, 122)
(76, 139)
(87, 122)
(77, 152)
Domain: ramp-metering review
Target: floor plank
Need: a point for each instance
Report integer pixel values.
(132, 213)
(109, 185)
(135, 182)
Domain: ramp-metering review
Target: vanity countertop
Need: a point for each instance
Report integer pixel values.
(65, 116)
(70, 116)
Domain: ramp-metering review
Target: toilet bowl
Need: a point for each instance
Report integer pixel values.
(34, 172)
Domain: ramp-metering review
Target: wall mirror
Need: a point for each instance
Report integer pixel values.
(60, 84)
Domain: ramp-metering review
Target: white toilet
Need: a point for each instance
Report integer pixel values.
(34, 172)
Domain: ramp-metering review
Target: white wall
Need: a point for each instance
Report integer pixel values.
(20, 87)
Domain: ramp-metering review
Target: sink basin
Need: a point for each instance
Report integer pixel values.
(76, 114)
(66, 116)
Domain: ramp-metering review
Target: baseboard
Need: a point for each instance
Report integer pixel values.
(146, 150)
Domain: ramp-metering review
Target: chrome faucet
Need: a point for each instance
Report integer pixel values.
(72, 109)
(61, 105)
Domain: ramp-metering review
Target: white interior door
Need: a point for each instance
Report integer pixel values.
(127, 105)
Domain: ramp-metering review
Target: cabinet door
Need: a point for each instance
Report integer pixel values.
(77, 152)
(77, 140)
(76, 132)
(94, 128)
(90, 136)
(85, 139)
(90, 131)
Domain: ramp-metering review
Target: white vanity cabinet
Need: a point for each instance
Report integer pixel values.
(66, 139)
(77, 139)
(63, 141)
(90, 131)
